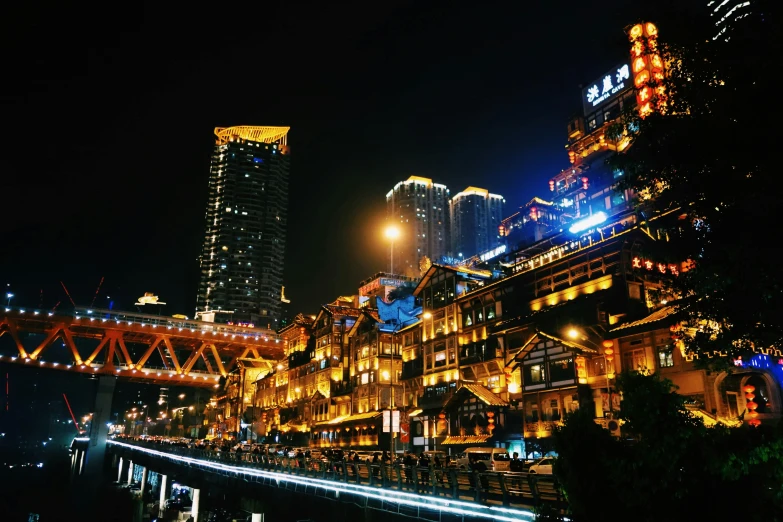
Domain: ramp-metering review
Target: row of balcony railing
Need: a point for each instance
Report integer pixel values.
(511, 489)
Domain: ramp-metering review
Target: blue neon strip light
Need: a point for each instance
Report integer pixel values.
(456, 507)
(588, 222)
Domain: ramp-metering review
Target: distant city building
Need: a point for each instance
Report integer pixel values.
(419, 208)
(535, 221)
(475, 217)
(588, 186)
(380, 285)
(243, 250)
(724, 14)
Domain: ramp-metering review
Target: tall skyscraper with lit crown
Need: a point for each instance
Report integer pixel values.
(419, 208)
(475, 217)
(244, 240)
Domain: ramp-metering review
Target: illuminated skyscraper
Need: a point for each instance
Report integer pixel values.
(475, 217)
(420, 210)
(726, 13)
(243, 251)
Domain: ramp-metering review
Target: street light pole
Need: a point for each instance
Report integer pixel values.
(392, 233)
(391, 258)
(395, 331)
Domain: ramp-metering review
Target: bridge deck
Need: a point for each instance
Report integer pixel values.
(503, 497)
(132, 345)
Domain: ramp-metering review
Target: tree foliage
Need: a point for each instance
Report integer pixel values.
(710, 156)
(668, 465)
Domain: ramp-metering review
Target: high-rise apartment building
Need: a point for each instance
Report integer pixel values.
(726, 13)
(475, 217)
(419, 209)
(243, 251)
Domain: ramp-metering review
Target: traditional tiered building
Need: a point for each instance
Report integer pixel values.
(497, 349)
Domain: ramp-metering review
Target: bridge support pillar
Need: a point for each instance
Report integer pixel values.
(163, 494)
(130, 472)
(194, 509)
(100, 427)
(144, 472)
(81, 461)
(119, 471)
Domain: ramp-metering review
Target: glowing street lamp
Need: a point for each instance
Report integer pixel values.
(573, 333)
(391, 233)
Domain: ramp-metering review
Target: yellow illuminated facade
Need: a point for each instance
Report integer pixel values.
(375, 365)
(513, 350)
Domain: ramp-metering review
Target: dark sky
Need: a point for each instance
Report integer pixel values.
(108, 113)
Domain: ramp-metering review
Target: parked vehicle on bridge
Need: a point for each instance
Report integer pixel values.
(495, 459)
(440, 454)
(364, 456)
(543, 466)
(334, 454)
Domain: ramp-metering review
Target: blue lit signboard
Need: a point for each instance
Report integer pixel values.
(606, 88)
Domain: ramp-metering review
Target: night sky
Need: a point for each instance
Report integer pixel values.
(108, 114)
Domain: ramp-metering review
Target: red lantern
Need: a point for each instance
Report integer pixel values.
(639, 64)
(608, 350)
(750, 396)
(641, 79)
(752, 405)
(584, 182)
(754, 422)
(552, 184)
(753, 414)
(748, 388)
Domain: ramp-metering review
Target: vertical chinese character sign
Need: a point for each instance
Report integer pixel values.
(647, 68)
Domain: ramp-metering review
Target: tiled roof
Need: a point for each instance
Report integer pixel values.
(484, 395)
(466, 439)
(658, 315)
(349, 418)
(362, 416)
(571, 344)
(521, 319)
(300, 320)
(342, 310)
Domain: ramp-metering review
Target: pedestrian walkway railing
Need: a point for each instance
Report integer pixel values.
(507, 489)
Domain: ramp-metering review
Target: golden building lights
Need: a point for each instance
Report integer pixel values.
(648, 69)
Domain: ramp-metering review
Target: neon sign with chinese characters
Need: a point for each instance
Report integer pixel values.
(647, 68)
(486, 256)
(661, 268)
(606, 88)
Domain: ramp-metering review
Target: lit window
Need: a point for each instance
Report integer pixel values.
(665, 356)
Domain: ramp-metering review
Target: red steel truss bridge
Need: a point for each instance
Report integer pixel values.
(134, 346)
